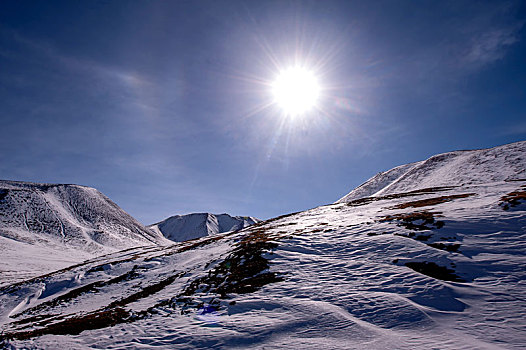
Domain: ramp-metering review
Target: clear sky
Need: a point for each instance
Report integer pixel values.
(166, 106)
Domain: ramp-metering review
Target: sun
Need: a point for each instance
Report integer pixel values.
(296, 91)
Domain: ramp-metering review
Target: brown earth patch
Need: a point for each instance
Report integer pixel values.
(513, 199)
(262, 223)
(407, 220)
(77, 324)
(429, 190)
(431, 201)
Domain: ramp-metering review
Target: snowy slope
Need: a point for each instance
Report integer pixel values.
(191, 226)
(448, 169)
(429, 268)
(61, 224)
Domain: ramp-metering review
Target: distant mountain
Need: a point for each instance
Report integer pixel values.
(181, 228)
(456, 168)
(48, 226)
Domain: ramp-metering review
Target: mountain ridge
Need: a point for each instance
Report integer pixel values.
(445, 169)
(47, 219)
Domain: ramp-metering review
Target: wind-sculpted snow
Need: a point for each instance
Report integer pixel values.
(181, 228)
(428, 269)
(45, 227)
(501, 163)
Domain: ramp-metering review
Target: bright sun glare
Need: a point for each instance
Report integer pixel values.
(296, 90)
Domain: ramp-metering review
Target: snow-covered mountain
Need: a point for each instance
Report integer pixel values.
(46, 226)
(448, 169)
(439, 265)
(190, 226)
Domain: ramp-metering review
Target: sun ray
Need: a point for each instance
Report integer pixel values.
(258, 109)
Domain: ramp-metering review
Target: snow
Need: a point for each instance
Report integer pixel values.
(333, 277)
(191, 226)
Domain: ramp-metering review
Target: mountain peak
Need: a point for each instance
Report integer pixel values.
(190, 226)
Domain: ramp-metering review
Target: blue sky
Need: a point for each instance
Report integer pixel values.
(163, 105)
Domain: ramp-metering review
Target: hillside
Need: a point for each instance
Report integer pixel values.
(44, 227)
(457, 168)
(191, 226)
(439, 267)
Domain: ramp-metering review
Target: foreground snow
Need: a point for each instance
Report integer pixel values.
(430, 268)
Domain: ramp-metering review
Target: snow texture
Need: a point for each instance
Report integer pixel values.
(440, 267)
(191, 226)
